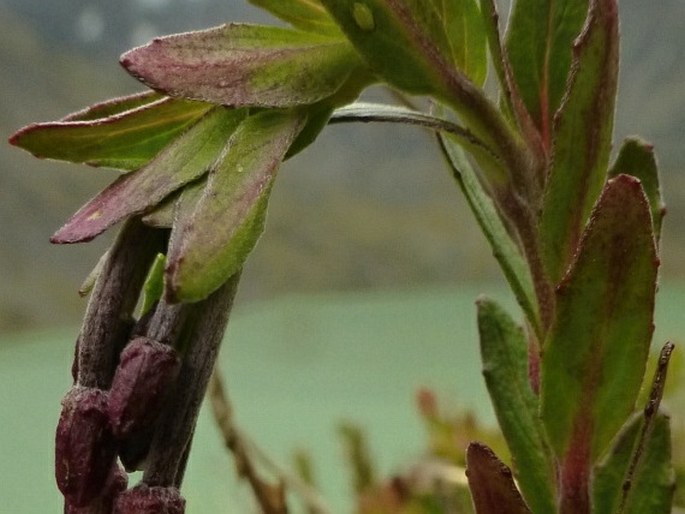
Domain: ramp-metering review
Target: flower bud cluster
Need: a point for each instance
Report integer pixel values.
(146, 370)
(133, 396)
(95, 423)
(85, 448)
(143, 499)
(104, 503)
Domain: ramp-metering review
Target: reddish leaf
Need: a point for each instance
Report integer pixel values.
(187, 158)
(595, 354)
(582, 138)
(492, 487)
(123, 139)
(245, 65)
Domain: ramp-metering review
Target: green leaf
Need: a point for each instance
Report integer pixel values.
(595, 354)
(319, 114)
(499, 58)
(637, 158)
(162, 214)
(89, 282)
(307, 15)
(504, 352)
(512, 104)
(211, 245)
(114, 106)
(416, 45)
(372, 112)
(406, 44)
(539, 48)
(154, 284)
(183, 161)
(243, 65)
(458, 27)
(492, 487)
(582, 138)
(126, 140)
(653, 482)
(504, 248)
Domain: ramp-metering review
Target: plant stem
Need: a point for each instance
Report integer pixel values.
(649, 414)
(526, 227)
(108, 320)
(574, 475)
(204, 332)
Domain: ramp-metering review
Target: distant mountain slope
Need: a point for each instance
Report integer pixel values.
(652, 88)
(37, 83)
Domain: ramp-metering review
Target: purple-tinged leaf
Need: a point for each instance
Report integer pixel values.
(245, 65)
(125, 140)
(637, 158)
(582, 134)
(307, 15)
(211, 245)
(186, 159)
(491, 483)
(594, 356)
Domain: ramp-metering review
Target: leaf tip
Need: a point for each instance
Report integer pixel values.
(14, 138)
(18, 139)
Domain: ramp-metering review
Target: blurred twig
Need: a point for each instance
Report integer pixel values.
(271, 498)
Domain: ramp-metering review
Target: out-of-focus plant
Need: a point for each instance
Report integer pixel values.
(435, 481)
(576, 236)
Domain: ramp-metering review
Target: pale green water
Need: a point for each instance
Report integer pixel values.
(295, 367)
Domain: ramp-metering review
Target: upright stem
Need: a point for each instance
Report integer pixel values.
(204, 331)
(524, 221)
(109, 315)
(574, 475)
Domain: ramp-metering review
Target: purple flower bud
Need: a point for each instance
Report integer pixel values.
(144, 499)
(133, 450)
(146, 370)
(85, 449)
(116, 484)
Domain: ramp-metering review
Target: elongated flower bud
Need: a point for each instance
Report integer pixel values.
(85, 449)
(144, 499)
(134, 449)
(103, 504)
(144, 375)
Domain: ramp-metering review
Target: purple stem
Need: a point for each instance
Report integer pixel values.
(203, 332)
(109, 315)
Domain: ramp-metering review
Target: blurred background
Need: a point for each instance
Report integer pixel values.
(366, 207)
(361, 288)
